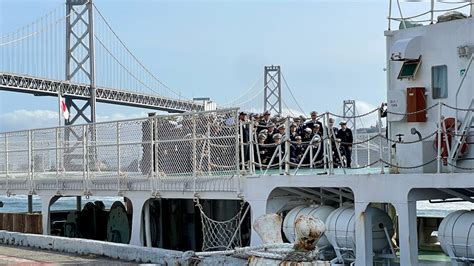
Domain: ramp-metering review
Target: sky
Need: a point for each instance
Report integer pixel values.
(329, 51)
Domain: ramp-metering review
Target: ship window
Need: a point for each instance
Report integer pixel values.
(409, 69)
(439, 81)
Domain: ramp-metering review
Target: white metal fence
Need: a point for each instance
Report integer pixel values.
(205, 151)
(188, 152)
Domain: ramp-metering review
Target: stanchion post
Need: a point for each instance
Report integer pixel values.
(368, 151)
(117, 135)
(30, 158)
(472, 8)
(194, 153)
(251, 147)
(432, 11)
(84, 157)
(390, 15)
(242, 145)
(380, 142)
(439, 138)
(326, 136)
(287, 146)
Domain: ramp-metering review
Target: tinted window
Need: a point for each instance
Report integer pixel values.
(439, 81)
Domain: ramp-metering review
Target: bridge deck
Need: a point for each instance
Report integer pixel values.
(48, 87)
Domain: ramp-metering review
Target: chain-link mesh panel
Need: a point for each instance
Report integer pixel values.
(197, 151)
(17, 148)
(102, 152)
(74, 159)
(44, 153)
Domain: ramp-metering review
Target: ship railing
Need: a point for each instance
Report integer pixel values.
(427, 16)
(375, 152)
(184, 152)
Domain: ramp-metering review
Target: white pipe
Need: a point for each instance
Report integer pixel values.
(459, 89)
(432, 11)
(401, 15)
(472, 8)
(390, 15)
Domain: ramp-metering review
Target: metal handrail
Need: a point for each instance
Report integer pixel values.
(431, 11)
(460, 87)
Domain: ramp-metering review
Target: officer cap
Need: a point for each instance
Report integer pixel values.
(277, 136)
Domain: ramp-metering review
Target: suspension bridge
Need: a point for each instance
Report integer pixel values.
(74, 52)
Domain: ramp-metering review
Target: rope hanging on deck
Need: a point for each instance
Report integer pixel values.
(221, 235)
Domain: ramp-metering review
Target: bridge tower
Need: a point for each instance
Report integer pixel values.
(272, 89)
(80, 58)
(349, 113)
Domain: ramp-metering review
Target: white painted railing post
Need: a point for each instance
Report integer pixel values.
(57, 152)
(380, 142)
(439, 138)
(194, 152)
(368, 150)
(327, 140)
(287, 146)
(390, 15)
(237, 160)
(472, 8)
(432, 11)
(30, 160)
(117, 136)
(6, 159)
(84, 157)
(152, 156)
(208, 140)
(251, 147)
(241, 144)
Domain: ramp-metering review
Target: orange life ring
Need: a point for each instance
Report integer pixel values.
(448, 132)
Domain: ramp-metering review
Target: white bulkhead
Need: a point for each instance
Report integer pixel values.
(434, 58)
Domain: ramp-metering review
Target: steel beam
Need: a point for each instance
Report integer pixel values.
(47, 87)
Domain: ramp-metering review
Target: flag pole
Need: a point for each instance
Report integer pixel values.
(59, 105)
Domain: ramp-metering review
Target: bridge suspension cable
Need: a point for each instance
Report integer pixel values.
(133, 57)
(243, 97)
(38, 50)
(291, 93)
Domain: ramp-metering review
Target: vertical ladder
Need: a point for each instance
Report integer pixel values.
(461, 136)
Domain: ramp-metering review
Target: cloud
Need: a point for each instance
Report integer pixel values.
(29, 119)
